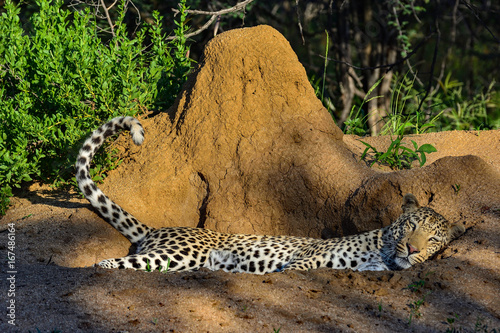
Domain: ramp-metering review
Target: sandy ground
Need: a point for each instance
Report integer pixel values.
(52, 228)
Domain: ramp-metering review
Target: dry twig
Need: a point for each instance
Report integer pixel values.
(214, 15)
(106, 11)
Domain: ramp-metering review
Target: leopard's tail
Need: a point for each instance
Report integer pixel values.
(122, 221)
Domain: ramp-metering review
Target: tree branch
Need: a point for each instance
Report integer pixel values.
(108, 17)
(389, 66)
(298, 22)
(235, 8)
(469, 6)
(204, 27)
(434, 57)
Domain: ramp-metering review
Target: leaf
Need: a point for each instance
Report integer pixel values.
(407, 151)
(415, 145)
(394, 145)
(364, 153)
(423, 159)
(425, 126)
(427, 148)
(368, 147)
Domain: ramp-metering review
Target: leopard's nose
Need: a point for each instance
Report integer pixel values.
(412, 249)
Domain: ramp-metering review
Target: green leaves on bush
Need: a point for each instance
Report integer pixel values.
(398, 156)
(59, 80)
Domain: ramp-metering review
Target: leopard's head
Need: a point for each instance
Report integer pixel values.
(422, 233)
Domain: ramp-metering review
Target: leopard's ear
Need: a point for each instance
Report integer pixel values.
(455, 230)
(410, 203)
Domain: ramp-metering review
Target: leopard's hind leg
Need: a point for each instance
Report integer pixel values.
(156, 260)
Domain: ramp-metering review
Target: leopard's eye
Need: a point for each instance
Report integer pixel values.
(434, 239)
(413, 226)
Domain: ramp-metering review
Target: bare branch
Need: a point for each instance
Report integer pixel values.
(214, 15)
(204, 27)
(298, 22)
(139, 18)
(235, 8)
(469, 6)
(114, 3)
(433, 64)
(108, 17)
(216, 27)
(355, 77)
(389, 66)
(400, 32)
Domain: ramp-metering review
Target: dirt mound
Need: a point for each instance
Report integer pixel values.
(250, 150)
(461, 180)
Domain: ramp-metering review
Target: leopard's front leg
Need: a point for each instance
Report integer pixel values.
(146, 262)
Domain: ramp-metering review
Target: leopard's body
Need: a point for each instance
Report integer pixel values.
(415, 236)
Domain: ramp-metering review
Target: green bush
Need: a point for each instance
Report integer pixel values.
(59, 81)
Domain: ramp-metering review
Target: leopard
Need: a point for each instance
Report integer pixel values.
(415, 236)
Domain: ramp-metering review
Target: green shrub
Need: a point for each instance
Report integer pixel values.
(59, 81)
(461, 112)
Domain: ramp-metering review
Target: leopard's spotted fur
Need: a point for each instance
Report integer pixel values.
(415, 236)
